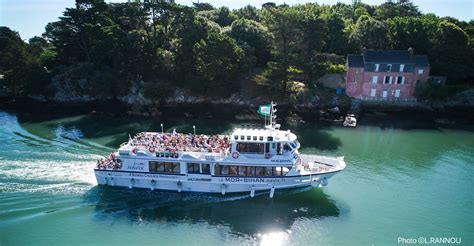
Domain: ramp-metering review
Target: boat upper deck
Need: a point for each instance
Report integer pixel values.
(178, 142)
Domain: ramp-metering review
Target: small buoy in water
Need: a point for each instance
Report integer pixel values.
(252, 191)
(272, 192)
(223, 189)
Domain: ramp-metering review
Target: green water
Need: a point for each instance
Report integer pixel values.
(398, 183)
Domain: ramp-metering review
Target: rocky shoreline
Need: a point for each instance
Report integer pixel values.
(401, 116)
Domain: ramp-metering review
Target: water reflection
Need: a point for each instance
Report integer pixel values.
(241, 214)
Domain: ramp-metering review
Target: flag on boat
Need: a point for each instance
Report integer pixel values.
(265, 110)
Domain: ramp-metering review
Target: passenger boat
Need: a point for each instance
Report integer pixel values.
(251, 159)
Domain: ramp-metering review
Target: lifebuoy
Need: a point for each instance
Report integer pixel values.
(235, 155)
(152, 149)
(134, 151)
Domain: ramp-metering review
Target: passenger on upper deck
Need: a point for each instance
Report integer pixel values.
(181, 142)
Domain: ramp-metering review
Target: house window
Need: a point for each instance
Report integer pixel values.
(377, 66)
(389, 67)
(399, 80)
(372, 92)
(403, 80)
(386, 80)
(402, 66)
(397, 93)
(384, 93)
(375, 79)
(420, 71)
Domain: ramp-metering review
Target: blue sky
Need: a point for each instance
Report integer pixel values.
(29, 17)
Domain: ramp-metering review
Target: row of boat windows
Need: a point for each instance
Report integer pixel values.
(164, 167)
(260, 148)
(250, 171)
(232, 170)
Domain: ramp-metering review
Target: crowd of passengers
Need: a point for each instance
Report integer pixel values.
(174, 142)
(109, 162)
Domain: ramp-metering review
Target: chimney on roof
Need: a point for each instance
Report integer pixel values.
(411, 50)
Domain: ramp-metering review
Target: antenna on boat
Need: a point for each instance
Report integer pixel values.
(273, 116)
(162, 129)
(194, 128)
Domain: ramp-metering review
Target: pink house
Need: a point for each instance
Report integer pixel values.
(385, 74)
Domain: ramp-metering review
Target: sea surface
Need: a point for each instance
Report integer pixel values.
(399, 183)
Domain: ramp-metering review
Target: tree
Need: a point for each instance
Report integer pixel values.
(255, 35)
(217, 59)
(401, 8)
(23, 73)
(248, 12)
(451, 52)
(369, 33)
(404, 32)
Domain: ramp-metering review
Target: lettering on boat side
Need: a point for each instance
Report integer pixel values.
(249, 180)
(281, 160)
(137, 166)
(145, 175)
(200, 179)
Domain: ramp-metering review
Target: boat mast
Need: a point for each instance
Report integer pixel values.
(273, 116)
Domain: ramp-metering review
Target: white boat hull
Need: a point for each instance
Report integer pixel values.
(207, 183)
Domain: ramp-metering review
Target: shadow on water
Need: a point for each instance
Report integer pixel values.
(313, 136)
(240, 213)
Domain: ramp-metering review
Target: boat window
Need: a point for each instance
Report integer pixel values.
(160, 167)
(268, 171)
(249, 137)
(217, 170)
(242, 170)
(233, 170)
(242, 137)
(205, 168)
(193, 167)
(236, 137)
(293, 145)
(163, 167)
(270, 138)
(225, 170)
(260, 171)
(286, 147)
(277, 171)
(250, 171)
(255, 138)
(284, 171)
(280, 149)
(261, 138)
(176, 168)
(252, 148)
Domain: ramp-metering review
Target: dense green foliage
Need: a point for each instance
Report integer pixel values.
(101, 49)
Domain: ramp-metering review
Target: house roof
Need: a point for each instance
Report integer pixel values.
(355, 60)
(386, 56)
(421, 60)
